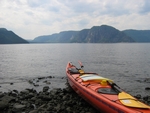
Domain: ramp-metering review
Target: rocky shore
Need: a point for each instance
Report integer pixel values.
(58, 100)
(53, 101)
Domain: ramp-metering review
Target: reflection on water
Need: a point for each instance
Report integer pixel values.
(125, 63)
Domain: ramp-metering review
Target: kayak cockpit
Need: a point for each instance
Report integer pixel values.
(105, 90)
(73, 71)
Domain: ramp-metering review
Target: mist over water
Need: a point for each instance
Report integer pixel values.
(126, 63)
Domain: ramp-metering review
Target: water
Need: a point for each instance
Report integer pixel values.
(126, 63)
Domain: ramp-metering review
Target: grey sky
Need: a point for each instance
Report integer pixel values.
(32, 18)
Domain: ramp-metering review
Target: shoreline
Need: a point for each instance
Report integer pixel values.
(48, 100)
(55, 101)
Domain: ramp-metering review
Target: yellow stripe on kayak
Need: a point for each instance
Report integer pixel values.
(130, 101)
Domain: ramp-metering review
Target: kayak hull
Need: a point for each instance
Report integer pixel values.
(101, 101)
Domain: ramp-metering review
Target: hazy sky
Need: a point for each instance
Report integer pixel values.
(32, 18)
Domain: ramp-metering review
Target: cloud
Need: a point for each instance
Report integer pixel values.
(145, 8)
(31, 18)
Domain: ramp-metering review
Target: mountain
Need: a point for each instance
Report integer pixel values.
(138, 35)
(102, 34)
(9, 37)
(97, 34)
(62, 37)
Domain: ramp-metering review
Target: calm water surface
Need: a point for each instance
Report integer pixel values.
(128, 64)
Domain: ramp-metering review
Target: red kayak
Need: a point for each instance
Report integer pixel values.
(102, 92)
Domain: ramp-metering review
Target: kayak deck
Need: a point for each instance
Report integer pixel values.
(101, 93)
(96, 87)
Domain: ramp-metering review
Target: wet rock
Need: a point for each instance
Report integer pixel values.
(4, 101)
(33, 99)
(47, 82)
(1, 94)
(46, 98)
(35, 84)
(147, 80)
(68, 109)
(49, 77)
(7, 98)
(29, 96)
(15, 91)
(11, 83)
(3, 105)
(41, 78)
(147, 88)
(45, 89)
(146, 98)
(25, 92)
(62, 77)
(138, 96)
(31, 90)
(19, 106)
(30, 81)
